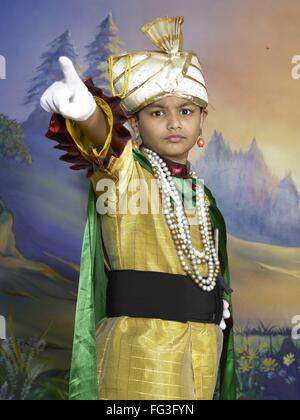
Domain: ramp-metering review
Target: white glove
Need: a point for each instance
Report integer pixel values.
(226, 315)
(69, 97)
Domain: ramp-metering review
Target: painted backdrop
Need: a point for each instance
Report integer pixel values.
(250, 53)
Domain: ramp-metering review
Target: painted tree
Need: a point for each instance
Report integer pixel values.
(12, 143)
(49, 71)
(106, 43)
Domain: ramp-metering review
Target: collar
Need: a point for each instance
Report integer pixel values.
(177, 169)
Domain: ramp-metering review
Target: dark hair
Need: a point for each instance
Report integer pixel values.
(137, 116)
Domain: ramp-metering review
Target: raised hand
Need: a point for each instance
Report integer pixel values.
(69, 97)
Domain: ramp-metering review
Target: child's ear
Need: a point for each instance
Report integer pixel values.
(133, 122)
(204, 112)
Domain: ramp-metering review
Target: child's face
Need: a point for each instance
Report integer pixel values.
(170, 115)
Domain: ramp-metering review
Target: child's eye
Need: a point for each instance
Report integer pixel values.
(155, 112)
(185, 109)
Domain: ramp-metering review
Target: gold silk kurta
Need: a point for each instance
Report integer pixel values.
(145, 358)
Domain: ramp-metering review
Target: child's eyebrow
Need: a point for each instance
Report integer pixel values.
(163, 107)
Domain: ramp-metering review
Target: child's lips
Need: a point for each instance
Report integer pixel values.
(174, 139)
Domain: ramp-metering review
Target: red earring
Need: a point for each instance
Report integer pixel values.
(200, 140)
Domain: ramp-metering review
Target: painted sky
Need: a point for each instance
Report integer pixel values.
(246, 49)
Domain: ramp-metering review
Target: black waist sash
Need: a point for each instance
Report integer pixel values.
(150, 294)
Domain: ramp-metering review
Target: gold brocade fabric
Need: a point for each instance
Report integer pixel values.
(145, 358)
(142, 77)
(138, 241)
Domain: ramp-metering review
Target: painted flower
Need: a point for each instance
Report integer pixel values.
(242, 349)
(252, 354)
(263, 347)
(245, 365)
(269, 365)
(289, 359)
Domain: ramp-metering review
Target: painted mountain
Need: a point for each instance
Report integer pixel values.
(257, 206)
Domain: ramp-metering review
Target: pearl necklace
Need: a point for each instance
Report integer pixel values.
(179, 225)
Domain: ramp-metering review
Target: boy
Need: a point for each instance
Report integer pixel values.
(161, 317)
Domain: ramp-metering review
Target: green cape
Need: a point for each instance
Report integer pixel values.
(91, 304)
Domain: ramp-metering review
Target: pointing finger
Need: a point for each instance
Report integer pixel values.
(68, 69)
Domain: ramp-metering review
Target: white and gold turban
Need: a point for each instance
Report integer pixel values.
(142, 77)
